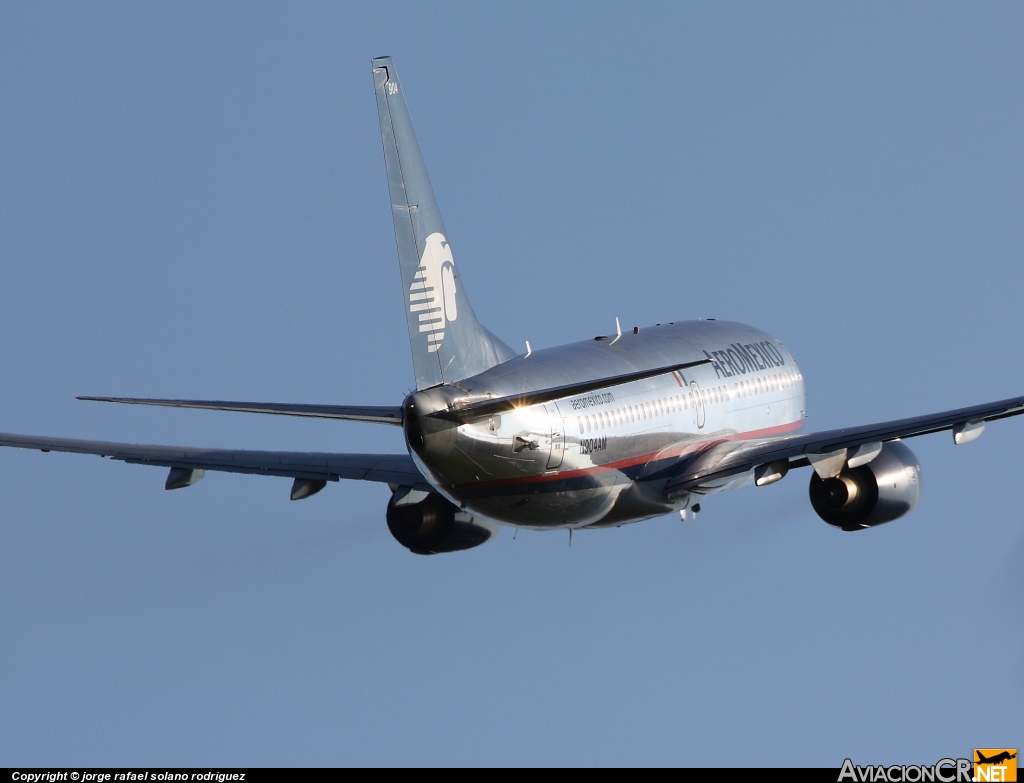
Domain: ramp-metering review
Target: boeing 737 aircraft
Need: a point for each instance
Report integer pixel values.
(599, 433)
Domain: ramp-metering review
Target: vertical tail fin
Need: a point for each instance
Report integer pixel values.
(448, 343)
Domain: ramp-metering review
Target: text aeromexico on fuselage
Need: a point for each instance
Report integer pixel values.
(598, 433)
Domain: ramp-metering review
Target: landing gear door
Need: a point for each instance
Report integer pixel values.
(557, 436)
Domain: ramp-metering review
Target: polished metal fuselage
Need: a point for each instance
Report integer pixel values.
(604, 458)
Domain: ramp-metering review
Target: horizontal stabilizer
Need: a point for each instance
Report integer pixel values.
(481, 409)
(379, 414)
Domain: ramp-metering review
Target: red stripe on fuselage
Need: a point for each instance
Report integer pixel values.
(644, 458)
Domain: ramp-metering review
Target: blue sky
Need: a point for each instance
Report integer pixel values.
(193, 204)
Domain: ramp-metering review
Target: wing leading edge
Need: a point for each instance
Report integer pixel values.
(386, 468)
(798, 450)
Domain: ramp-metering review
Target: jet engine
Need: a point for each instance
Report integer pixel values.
(882, 490)
(434, 524)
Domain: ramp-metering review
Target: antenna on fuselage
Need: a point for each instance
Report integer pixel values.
(618, 331)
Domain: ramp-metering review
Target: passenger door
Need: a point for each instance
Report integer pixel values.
(557, 440)
(698, 403)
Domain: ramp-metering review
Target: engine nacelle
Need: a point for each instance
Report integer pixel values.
(883, 490)
(435, 525)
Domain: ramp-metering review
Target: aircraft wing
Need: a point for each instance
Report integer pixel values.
(378, 414)
(386, 468)
(801, 450)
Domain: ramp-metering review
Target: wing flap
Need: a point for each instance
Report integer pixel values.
(377, 414)
(385, 468)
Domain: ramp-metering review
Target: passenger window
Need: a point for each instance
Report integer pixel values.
(579, 421)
